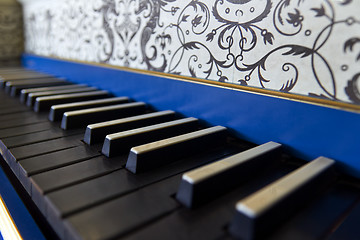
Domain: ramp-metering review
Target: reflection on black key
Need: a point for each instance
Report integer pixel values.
(96, 133)
(119, 142)
(53, 160)
(203, 184)
(16, 131)
(32, 96)
(258, 213)
(45, 103)
(57, 111)
(151, 155)
(75, 173)
(31, 150)
(25, 92)
(81, 118)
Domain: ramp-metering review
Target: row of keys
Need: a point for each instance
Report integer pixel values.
(143, 142)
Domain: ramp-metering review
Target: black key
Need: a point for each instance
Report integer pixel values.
(93, 192)
(122, 141)
(72, 174)
(205, 183)
(10, 109)
(258, 213)
(14, 87)
(96, 133)
(34, 165)
(32, 96)
(25, 92)
(208, 221)
(349, 229)
(40, 136)
(19, 77)
(31, 128)
(52, 180)
(53, 160)
(18, 153)
(45, 103)
(10, 116)
(57, 111)
(81, 118)
(22, 121)
(137, 208)
(152, 155)
(6, 70)
(23, 75)
(320, 217)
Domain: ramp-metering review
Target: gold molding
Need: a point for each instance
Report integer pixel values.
(260, 91)
(8, 228)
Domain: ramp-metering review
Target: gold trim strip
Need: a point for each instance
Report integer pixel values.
(8, 228)
(254, 90)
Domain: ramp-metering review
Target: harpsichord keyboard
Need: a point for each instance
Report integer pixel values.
(99, 166)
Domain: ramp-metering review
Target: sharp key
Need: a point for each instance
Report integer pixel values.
(205, 183)
(32, 96)
(260, 212)
(96, 133)
(151, 155)
(25, 92)
(119, 142)
(57, 111)
(45, 103)
(81, 118)
(14, 87)
(20, 77)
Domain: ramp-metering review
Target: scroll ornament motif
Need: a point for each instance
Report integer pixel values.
(297, 46)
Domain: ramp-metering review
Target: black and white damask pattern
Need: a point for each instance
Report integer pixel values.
(298, 46)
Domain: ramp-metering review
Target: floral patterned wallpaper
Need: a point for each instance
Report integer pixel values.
(307, 47)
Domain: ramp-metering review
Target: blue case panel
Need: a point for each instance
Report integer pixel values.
(306, 130)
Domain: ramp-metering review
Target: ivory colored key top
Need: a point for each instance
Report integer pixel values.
(32, 96)
(45, 103)
(25, 92)
(122, 141)
(205, 183)
(81, 118)
(258, 213)
(96, 133)
(151, 155)
(57, 111)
